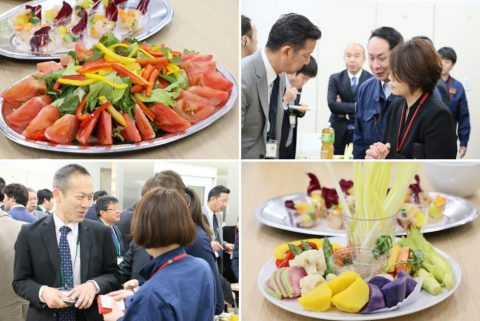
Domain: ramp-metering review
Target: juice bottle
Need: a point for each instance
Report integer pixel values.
(328, 137)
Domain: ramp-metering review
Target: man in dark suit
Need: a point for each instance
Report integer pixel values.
(108, 212)
(291, 41)
(64, 250)
(16, 199)
(92, 211)
(342, 89)
(45, 200)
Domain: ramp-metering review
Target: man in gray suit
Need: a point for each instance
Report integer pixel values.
(290, 43)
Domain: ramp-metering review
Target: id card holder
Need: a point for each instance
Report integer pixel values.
(271, 151)
(292, 119)
(119, 259)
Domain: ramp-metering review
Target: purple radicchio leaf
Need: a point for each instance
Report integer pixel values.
(143, 6)
(111, 12)
(82, 24)
(36, 10)
(95, 4)
(64, 16)
(117, 2)
(40, 38)
(314, 183)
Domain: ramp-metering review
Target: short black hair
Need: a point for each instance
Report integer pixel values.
(390, 35)
(61, 179)
(217, 190)
(44, 195)
(246, 26)
(103, 202)
(448, 53)
(292, 29)
(2, 185)
(99, 194)
(309, 69)
(17, 191)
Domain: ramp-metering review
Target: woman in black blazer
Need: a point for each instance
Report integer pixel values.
(420, 125)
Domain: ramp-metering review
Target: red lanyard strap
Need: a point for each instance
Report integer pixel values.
(402, 142)
(175, 259)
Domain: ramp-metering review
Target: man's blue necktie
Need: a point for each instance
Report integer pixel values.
(354, 85)
(67, 314)
(116, 242)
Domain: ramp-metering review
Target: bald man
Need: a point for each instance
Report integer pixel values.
(342, 89)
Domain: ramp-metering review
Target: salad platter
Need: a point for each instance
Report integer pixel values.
(422, 302)
(76, 21)
(458, 211)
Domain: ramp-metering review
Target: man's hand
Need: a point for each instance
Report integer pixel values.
(228, 247)
(85, 294)
(216, 246)
(120, 294)
(131, 285)
(303, 108)
(339, 100)
(114, 315)
(378, 151)
(54, 298)
(462, 151)
(290, 95)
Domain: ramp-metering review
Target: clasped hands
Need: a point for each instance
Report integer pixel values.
(378, 151)
(83, 293)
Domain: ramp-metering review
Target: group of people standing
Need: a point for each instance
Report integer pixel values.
(408, 107)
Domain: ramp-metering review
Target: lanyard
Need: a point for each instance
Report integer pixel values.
(402, 142)
(175, 259)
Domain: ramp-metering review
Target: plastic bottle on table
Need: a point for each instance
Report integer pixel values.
(328, 137)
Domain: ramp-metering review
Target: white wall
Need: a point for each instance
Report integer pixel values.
(453, 23)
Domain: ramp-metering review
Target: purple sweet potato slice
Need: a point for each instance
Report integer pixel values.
(376, 300)
(394, 292)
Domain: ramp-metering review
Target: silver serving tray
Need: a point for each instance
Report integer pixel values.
(167, 138)
(458, 211)
(159, 14)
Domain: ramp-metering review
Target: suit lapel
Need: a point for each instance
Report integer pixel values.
(262, 86)
(50, 238)
(85, 247)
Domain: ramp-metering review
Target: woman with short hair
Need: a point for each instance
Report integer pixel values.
(420, 125)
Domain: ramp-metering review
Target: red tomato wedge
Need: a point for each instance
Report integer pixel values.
(104, 129)
(83, 135)
(20, 118)
(193, 97)
(193, 111)
(143, 125)
(45, 118)
(214, 96)
(63, 130)
(214, 79)
(23, 91)
(48, 66)
(168, 120)
(130, 133)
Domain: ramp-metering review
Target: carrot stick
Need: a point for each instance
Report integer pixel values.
(136, 89)
(145, 109)
(153, 77)
(147, 71)
(403, 257)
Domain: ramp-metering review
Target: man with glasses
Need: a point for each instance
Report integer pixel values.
(108, 212)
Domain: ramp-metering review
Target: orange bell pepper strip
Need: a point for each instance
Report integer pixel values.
(145, 109)
(136, 89)
(79, 110)
(95, 67)
(124, 71)
(147, 71)
(152, 79)
(155, 61)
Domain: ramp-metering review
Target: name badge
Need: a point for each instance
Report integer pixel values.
(119, 259)
(271, 149)
(452, 91)
(292, 119)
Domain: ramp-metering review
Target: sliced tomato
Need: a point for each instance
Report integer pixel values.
(214, 96)
(47, 67)
(83, 135)
(195, 69)
(193, 111)
(143, 125)
(45, 118)
(65, 60)
(104, 129)
(162, 83)
(187, 94)
(82, 52)
(63, 130)
(168, 120)
(23, 91)
(20, 118)
(214, 79)
(130, 133)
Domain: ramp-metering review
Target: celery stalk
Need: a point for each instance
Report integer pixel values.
(429, 282)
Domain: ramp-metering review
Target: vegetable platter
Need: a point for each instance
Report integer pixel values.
(119, 95)
(46, 29)
(336, 309)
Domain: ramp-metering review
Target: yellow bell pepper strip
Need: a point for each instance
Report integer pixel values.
(57, 84)
(78, 83)
(152, 51)
(155, 62)
(90, 75)
(146, 52)
(152, 79)
(109, 53)
(112, 111)
(144, 108)
(136, 79)
(124, 45)
(79, 110)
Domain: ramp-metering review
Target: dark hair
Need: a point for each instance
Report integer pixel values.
(170, 223)
(103, 202)
(217, 190)
(246, 26)
(17, 191)
(99, 194)
(44, 195)
(416, 63)
(292, 29)
(171, 179)
(2, 185)
(309, 69)
(61, 179)
(448, 54)
(390, 35)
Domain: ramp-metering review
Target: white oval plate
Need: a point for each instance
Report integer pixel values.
(424, 301)
(458, 211)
